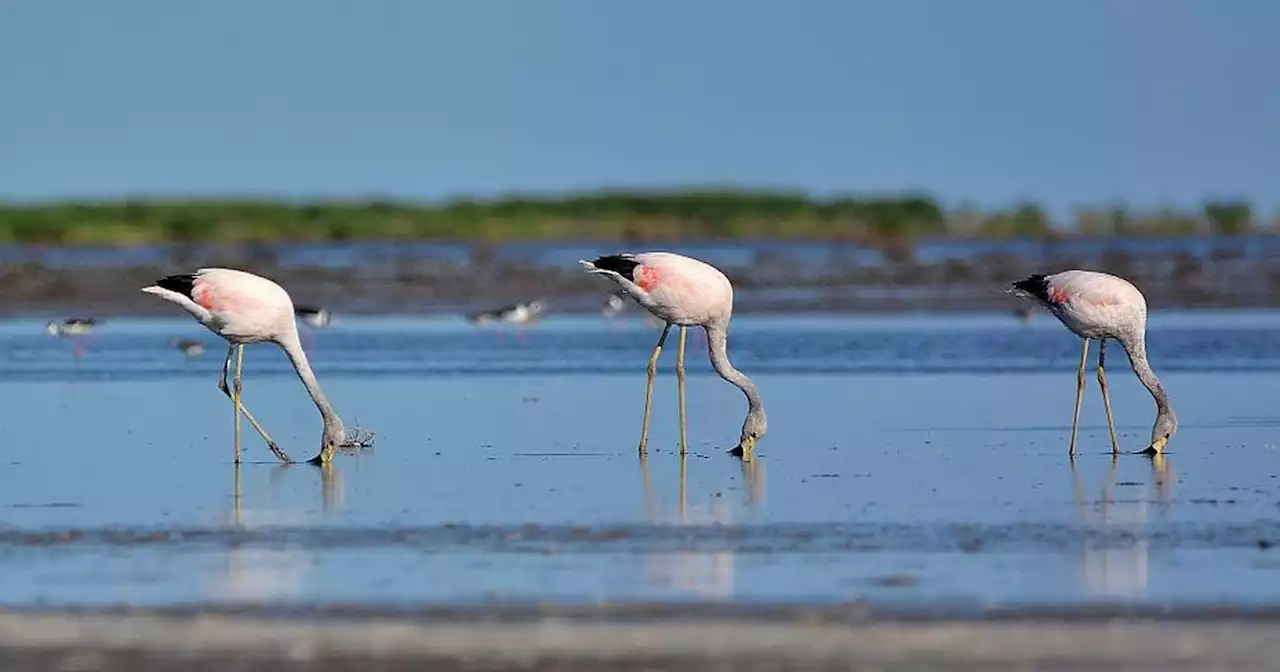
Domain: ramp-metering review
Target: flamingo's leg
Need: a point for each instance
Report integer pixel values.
(1075, 424)
(235, 396)
(1106, 395)
(648, 392)
(684, 430)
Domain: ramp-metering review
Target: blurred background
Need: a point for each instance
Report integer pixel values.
(416, 157)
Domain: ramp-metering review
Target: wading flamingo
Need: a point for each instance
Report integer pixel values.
(1100, 306)
(245, 308)
(686, 292)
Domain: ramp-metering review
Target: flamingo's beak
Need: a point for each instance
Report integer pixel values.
(1158, 445)
(746, 449)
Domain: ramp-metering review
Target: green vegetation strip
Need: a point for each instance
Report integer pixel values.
(605, 215)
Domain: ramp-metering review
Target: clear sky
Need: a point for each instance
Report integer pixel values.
(986, 100)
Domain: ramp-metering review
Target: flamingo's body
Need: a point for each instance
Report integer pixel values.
(687, 292)
(1100, 306)
(244, 308)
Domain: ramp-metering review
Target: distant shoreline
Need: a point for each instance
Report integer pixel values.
(770, 276)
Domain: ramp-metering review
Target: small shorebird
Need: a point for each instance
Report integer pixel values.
(683, 291)
(518, 313)
(1100, 306)
(245, 308)
(72, 326)
(316, 318)
(613, 306)
(188, 347)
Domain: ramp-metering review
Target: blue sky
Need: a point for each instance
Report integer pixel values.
(1149, 101)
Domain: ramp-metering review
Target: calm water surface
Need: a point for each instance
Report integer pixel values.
(910, 460)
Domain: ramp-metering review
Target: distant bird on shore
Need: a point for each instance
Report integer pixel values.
(314, 317)
(188, 347)
(1100, 306)
(683, 291)
(613, 306)
(75, 328)
(72, 326)
(244, 308)
(518, 313)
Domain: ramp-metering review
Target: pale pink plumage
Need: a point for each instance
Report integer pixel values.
(245, 308)
(1100, 306)
(687, 292)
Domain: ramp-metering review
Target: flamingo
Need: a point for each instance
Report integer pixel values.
(1101, 306)
(245, 308)
(684, 291)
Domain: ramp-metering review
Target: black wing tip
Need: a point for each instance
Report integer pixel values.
(1035, 285)
(181, 283)
(622, 264)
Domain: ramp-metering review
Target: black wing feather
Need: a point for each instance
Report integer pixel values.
(622, 264)
(1036, 286)
(181, 284)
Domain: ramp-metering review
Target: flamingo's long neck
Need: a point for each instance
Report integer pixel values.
(1137, 350)
(293, 348)
(717, 345)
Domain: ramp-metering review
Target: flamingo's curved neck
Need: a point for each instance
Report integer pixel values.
(1137, 350)
(293, 348)
(717, 346)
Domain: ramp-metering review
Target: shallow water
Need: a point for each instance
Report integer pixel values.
(910, 460)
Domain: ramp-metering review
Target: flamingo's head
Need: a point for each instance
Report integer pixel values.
(753, 429)
(1166, 426)
(335, 435)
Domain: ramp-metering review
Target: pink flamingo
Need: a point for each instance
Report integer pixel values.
(684, 291)
(245, 308)
(1100, 306)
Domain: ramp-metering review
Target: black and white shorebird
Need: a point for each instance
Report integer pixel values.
(517, 313)
(613, 306)
(190, 348)
(72, 326)
(314, 317)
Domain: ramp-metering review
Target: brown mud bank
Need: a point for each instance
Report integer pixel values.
(792, 640)
(1227, 272)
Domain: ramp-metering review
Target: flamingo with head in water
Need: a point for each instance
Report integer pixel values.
(687, 292)
(1100, 306)
(245, 308)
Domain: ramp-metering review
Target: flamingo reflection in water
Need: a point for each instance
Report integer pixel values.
(254, 573)
(1119, 569)
(706, 574)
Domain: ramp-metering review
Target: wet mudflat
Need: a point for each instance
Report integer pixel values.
(916, 462)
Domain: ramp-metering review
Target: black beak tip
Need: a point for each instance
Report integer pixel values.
(736, 451)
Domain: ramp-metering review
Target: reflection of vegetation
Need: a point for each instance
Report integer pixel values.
(632, 215)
